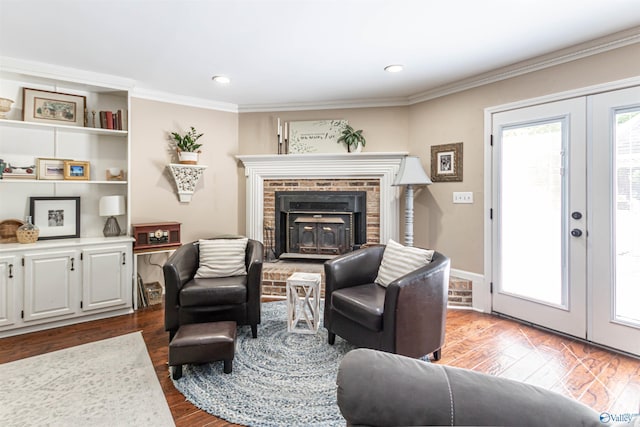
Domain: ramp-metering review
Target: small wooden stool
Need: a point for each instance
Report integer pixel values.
(203, 343)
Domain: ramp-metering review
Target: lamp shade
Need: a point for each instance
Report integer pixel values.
(411, 173)
(112, 206)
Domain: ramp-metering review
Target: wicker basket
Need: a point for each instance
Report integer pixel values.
(8, 230)
(27, 236)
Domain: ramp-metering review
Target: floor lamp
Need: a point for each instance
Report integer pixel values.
(411, 173)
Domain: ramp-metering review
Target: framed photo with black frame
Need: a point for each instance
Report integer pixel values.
(56, 217)
(446, 162)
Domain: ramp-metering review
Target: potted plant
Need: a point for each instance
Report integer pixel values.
(353, 139)
(186, 146)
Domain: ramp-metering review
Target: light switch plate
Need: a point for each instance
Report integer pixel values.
(462, 197)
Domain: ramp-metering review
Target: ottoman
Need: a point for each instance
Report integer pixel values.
(203, 343)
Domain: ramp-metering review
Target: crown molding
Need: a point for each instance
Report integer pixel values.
(329, 105)
(573, 53)
(154, 95)
(55, 73)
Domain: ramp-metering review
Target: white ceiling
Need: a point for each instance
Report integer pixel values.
(296, 53)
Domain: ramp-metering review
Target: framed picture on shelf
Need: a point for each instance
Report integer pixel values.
(446, 162)
(57, 217)
(316, 136)
(77, 170)
(49, 168)
(53, 107)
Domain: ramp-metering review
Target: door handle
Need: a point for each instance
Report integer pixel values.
(576, 232)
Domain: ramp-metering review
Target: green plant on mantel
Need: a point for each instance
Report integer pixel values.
(187, 142)
(352, 138)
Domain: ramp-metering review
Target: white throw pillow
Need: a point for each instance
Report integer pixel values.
(222, 258)
(399, 260)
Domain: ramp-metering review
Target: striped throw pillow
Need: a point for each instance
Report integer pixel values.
(399, 260)
(222, 258)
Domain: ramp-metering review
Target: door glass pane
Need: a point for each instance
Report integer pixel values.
(627, 216)
(531, 198)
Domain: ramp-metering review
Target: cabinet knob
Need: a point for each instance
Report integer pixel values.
(576, 232)
(10, 271)
(72, 264)
(124, 258)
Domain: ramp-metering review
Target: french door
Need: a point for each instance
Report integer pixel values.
(614, 221)
(540, 188)
(566, 216)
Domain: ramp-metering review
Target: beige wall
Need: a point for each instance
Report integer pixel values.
(457, 230)
(214, 206)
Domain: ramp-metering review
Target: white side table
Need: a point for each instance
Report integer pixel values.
(303, 303)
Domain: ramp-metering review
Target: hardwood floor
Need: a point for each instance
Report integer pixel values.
(604, 380)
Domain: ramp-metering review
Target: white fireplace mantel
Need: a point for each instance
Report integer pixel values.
(382, 166)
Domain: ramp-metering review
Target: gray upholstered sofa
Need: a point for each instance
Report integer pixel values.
(382, 389)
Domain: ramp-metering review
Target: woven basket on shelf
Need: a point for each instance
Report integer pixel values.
(8, 229)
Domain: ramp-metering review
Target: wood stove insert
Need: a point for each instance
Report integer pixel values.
(319, 224)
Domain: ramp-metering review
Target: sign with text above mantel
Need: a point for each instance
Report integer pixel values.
(316, 136)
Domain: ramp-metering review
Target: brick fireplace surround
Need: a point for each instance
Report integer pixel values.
(370, 172)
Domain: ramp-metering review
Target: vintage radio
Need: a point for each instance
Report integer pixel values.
(157, 235)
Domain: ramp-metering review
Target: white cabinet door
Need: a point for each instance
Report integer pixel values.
(8, 271)
(106, 277)
(50, 284)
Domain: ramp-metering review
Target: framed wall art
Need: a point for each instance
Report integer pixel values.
(316, 136)
(53, 107)
(76, 170)
(57, 217)
(48, 168)
(446, 162)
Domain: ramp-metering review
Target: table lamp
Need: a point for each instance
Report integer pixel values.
(112, 206)
(411, 173)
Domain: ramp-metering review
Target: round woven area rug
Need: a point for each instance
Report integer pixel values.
(278, 379)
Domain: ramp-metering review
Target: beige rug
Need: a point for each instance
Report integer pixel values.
(106, 383)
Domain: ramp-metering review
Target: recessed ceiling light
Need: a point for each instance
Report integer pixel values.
(396, 68)
(221, 79)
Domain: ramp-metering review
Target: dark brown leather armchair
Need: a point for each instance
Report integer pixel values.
(407, 317)
(189, 300)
